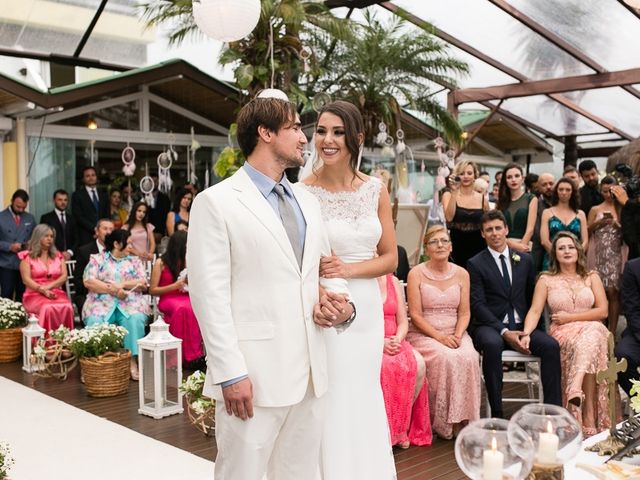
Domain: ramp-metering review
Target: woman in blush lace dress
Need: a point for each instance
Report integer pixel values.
(607, 253)
(357, 213)
(578, 305)
(403, 373)
(43, 273)
(439, 308)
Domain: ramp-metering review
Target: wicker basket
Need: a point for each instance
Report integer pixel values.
(106, 375)
(205, 422)
(10, 344)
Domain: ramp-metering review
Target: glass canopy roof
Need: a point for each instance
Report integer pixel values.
(511, 41)
(528, 40)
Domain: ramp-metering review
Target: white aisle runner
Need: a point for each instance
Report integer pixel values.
(55, 441)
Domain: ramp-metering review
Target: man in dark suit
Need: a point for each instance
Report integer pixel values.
(502, 284)
(16, 226)
(89, 204)
(159, 208)
(63, 224)
(629, 345)
(103, 228)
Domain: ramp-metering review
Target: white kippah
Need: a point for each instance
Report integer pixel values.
(273, 93)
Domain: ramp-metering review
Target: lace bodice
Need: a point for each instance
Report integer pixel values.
(569, 294)
(351, 219)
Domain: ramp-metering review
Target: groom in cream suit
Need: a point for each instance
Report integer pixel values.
(253, 255)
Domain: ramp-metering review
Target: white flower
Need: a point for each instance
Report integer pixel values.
(515, 257)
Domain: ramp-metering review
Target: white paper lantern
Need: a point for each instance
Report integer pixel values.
(226, 20)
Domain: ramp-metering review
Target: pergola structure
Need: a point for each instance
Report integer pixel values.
(567, 70)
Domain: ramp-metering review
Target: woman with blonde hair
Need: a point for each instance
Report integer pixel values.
(463, 209)
(439, 309)
(578, 304)
(44, 272)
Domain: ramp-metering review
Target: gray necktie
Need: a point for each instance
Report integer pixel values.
(288, 217)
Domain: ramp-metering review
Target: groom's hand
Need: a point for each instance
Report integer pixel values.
(333, 309)
(515, 340)
(238, 399)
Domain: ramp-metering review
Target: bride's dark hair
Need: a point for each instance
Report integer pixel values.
(353, 126)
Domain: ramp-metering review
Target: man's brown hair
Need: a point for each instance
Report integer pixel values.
(271, 113)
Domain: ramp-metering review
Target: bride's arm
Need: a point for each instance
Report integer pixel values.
(385, 262)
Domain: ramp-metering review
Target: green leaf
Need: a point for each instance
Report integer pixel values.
(244, 75)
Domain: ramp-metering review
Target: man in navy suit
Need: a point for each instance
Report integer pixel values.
(89, 204)
(63, 224)
(629, 345)
(16, 226)
(502, 284)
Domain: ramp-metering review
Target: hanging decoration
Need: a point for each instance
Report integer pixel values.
(225, 20)
(305, 56)
(191, 159)
(319, 100)
(385, 140)
(146, 187)
(128, 159)
(91, 153)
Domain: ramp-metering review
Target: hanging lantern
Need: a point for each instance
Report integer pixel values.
(30, 335)
(160, 357)
(224, 20)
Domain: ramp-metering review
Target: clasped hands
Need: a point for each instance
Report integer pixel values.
(332, 309)
(518, 340)
(46, 291)
(392, 345)
(451, 341)
(121, 290)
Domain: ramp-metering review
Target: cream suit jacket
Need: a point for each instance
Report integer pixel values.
(253, 302)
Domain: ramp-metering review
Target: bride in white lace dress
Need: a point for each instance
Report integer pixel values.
(357, 213)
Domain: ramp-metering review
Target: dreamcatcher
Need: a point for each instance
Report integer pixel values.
(191, 160)
(146, 187)
(436, 213)
(165, 161)
(129, 167)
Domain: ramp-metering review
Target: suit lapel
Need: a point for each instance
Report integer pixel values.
(252, 199)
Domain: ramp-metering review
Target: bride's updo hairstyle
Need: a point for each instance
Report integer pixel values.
(272, 113)
(581, 265)
(353, 126)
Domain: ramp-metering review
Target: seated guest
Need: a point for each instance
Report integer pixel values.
(403, 373)
(578, 305)
(169, 282)
(439, 309)
(43, 272)
(143, 242)
(117, 214)
(116, 282)
(181, 208)
(103, 228)
(502, 285)
(629, 345)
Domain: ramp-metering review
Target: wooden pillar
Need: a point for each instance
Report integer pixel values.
(570, 151)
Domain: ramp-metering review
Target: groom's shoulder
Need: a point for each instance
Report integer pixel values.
(479, 258)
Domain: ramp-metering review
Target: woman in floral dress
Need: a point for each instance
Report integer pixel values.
(116, 282)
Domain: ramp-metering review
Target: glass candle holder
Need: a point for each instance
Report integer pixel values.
(555, 433)
(487, 449)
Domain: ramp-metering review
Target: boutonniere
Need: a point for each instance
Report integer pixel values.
(515, 258)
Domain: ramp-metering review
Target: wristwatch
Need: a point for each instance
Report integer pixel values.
(350, 320)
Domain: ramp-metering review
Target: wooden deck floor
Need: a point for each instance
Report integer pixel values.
(434, 462)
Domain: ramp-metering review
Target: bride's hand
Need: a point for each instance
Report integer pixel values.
(333, 267)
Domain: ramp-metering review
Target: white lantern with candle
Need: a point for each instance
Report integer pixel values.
(30, 335)
(492, 461)
(548, 446)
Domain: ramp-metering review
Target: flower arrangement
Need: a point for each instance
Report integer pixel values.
(201, 409)
(95, 340)
(634, 398)
(6, 459)
(12, 314)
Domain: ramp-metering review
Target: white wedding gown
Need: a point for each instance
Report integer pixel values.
(356, 443)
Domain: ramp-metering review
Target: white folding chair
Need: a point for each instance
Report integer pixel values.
(70, 286)
(532, 379)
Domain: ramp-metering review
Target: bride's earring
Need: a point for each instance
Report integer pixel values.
(360, 152)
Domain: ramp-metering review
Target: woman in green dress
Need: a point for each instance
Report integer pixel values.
(519, 208)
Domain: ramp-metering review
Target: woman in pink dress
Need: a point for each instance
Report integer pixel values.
(578, 305)
(43, 272)
(143, 243)
(440, 313)
(169, 282)
(403, 373)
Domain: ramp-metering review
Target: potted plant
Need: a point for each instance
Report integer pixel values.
(6, 460)
(104, 363)
(12, 318)
(201, 409)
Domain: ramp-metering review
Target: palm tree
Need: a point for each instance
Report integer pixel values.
(283, 24)
(386, 68)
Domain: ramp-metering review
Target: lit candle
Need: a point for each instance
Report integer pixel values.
(548, 446)
(492, 462)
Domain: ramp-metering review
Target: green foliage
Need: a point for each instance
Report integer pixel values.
(229, 161)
